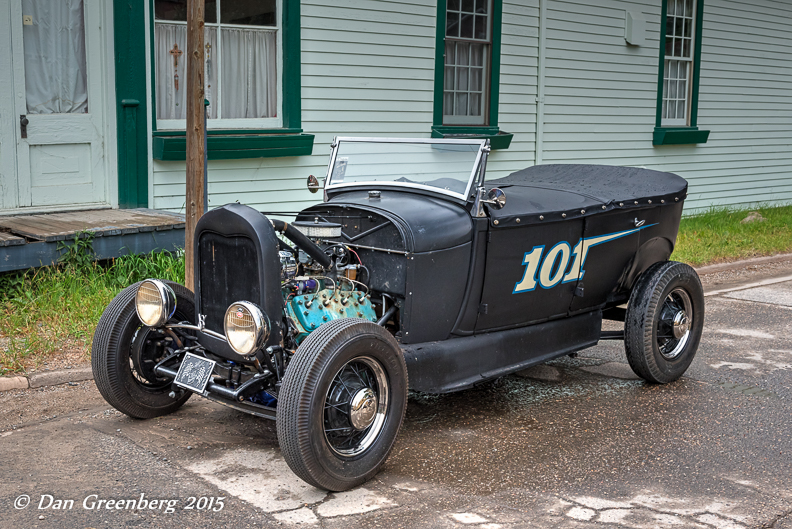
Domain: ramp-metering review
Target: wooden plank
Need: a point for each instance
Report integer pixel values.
(8, 239)
(53, 227)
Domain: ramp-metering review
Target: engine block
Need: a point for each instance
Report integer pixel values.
(309, 311)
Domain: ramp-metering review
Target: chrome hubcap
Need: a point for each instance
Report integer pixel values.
(355, 406)
(674, 324)
(363, 409)
(681, 325)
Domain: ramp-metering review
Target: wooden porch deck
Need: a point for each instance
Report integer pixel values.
(29, 241)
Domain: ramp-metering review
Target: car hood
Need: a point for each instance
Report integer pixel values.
(429, 223)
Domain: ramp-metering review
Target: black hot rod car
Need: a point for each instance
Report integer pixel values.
(408, 275)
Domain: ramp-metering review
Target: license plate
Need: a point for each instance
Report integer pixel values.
(194, 373)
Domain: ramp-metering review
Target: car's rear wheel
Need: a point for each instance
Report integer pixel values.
(665, 318)
(125, 352)
(341, 404)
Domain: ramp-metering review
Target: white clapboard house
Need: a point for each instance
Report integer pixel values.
(92, 93)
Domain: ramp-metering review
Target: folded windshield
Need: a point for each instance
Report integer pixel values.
(444, 166)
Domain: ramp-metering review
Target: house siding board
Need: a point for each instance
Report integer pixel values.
(368, 69)
(518, 87)
(601, 98)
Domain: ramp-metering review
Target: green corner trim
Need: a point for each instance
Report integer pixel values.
(694, 93)
(129, 42)
(679, 136)
(495, 60)
(229, 146)
(498, 139)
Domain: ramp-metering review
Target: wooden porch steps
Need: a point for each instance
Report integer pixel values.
(28, 241)
(51, 227)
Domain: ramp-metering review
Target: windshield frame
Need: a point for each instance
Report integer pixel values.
(463, 197)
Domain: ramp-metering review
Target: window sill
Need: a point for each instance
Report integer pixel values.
(235, 144)
(498, 139)
(679, 135)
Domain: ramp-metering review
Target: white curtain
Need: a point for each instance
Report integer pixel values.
(169, 39)
(54, 46)
(249, 78)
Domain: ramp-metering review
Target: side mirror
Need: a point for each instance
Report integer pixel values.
(313, 184)
(496, 198)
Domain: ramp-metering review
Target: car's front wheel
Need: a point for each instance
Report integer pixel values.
(665, 318)
(124, 354)
(341, 404)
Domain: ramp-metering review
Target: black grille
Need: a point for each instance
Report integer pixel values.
(228, 273)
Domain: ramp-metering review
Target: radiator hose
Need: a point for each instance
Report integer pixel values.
(302, 242)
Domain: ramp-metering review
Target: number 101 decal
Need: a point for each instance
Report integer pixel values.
(550, 269)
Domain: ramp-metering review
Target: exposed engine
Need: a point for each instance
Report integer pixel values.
(314, 295)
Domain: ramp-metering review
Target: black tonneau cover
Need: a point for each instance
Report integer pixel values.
(545, 193)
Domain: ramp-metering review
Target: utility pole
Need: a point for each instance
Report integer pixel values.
(196, 132)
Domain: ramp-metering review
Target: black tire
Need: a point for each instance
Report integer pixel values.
(110, 356)
(659, 337)
(341, 351)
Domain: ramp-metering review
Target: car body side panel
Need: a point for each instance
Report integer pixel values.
(459, 363)
(503, 304)
(608, 264)
(436, 286)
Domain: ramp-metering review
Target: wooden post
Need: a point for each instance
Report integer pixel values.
(195, 132)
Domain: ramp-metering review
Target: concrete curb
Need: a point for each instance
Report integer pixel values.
(734, 265)
(47, 378)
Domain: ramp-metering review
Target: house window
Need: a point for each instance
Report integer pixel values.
(468, 53)
(242, 65)
(678, 62)
(678, 77)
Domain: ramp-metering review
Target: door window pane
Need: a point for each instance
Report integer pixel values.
(56, 79)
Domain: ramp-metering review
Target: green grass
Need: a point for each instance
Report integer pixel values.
(718, 236)
(54, 310)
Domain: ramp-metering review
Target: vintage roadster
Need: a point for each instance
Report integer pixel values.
(409, 274)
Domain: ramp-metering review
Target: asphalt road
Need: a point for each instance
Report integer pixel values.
(579, 442)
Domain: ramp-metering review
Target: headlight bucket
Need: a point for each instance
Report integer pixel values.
(155, 302)
(246, 327)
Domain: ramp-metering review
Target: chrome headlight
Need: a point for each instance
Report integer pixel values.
(246, 327)
(155, 302)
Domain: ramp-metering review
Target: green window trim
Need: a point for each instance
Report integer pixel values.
(223, 144)
(675, 135)
(498, 139)
(235, 144)
(679, 135)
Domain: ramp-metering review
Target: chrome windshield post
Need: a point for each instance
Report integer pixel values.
(481, 193)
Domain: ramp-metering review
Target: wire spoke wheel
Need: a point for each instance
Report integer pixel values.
(341, 403)
(355, 406)
(674, 324)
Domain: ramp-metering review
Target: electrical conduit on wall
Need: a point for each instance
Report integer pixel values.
(540, 82)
